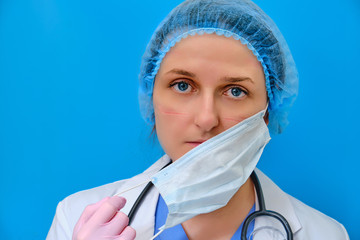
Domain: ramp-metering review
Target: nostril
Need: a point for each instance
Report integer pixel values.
(207, 119)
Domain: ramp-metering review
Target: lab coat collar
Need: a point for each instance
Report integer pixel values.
(144, 220)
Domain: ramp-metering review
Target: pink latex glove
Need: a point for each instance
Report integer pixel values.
(103, 220)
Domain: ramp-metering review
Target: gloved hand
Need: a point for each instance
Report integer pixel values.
(103, 221)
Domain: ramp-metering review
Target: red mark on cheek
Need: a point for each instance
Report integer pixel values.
(170, 111)
(234, 119)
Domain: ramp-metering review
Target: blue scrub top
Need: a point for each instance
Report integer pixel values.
(177, 232)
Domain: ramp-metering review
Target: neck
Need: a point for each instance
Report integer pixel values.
(223, 223)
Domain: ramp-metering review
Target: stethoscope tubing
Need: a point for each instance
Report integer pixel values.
(138, 202)
(263, 212)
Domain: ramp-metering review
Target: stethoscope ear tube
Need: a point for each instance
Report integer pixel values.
(263, 212)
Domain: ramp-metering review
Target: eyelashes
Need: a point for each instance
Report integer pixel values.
(181, 87)
(235, 92)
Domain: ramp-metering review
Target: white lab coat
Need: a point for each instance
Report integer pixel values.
(306, 222)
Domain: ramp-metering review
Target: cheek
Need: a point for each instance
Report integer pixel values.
(231, 118)
(229, 122)
(172, 128)
(170, 123)
(169, 119)
(232, 112)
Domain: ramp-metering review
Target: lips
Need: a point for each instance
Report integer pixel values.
(196, 143)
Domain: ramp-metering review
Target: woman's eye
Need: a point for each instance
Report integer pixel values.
(235, 92)
(183, 87)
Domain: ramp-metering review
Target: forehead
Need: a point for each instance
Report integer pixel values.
(211, 53)
(211, 43)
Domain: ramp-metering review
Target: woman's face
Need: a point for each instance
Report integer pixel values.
(205, 85)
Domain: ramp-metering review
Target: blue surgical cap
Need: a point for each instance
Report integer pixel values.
(242, 20)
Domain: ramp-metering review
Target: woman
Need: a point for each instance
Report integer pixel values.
(216, 76)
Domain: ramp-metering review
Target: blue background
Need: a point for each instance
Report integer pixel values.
(69, 117)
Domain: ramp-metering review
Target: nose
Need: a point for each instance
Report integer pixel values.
(206, 114)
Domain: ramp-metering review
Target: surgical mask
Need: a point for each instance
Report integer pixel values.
(205, 178)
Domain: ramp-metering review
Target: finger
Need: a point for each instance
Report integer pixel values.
(88, 212)
(106, 211)
(128, 234)
(117, 224)
(91, 209)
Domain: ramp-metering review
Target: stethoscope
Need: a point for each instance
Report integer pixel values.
(260, 213)
(263, 212)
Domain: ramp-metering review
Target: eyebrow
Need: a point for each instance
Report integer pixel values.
(181, 72)
(237, 79)
(226, 79)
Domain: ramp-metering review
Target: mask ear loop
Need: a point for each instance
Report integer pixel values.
(140, 184)
(156, 235)
(131, 188)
